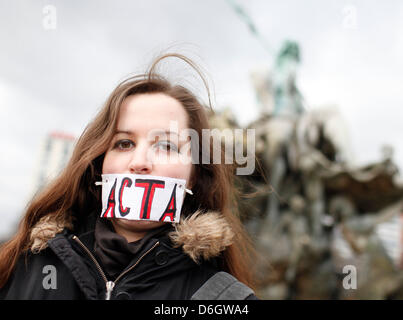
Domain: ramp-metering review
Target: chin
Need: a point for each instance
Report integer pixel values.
(136, 225)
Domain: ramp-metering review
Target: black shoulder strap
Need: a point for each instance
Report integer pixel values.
(222, 286)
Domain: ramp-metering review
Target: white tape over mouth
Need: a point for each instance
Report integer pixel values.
(142, 197)
(99, 183)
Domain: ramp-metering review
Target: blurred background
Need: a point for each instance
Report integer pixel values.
(319, 81)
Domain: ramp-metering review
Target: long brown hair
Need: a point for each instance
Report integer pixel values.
(73, 191)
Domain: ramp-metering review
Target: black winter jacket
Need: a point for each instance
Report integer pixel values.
(170, 266)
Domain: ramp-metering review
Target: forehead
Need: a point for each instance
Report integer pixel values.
(144, 112)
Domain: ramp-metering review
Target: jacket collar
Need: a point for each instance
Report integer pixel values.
(201, 235)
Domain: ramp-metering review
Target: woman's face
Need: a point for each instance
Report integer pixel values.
(137, 148)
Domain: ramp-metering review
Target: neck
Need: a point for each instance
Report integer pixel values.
(129, 235)
(133, 230)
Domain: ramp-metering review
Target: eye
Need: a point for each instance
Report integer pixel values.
(166, 146)
(123, 144)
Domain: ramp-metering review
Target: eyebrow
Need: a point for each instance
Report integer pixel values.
(128, 132)
(124, 131)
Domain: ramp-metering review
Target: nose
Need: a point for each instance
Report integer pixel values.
(140, 162)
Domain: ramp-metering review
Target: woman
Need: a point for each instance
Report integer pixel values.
(63, 248)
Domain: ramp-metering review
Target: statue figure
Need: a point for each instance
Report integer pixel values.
(287, 98)
(281, 105)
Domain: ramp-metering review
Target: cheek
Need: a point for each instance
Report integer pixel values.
(185, 172)
(174, 170)
(105, 165)
(190, 170)
(112, 163)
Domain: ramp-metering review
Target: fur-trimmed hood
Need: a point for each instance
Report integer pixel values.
(201, 236)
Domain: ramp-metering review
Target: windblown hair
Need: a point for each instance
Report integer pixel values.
(72, 196)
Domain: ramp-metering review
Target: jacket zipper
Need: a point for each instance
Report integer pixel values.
(111, 284)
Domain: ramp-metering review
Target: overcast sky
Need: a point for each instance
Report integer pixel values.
(57, 78)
